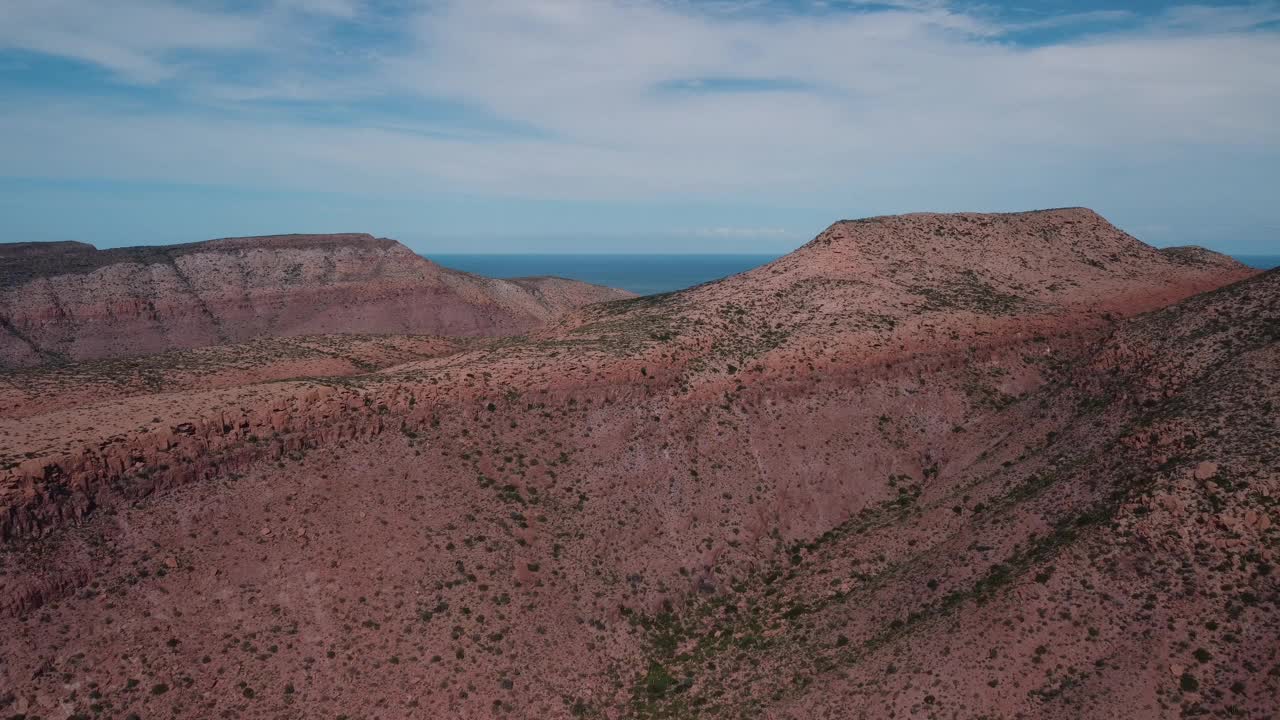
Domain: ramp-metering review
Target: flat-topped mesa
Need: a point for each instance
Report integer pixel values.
(61, 301)
(877, 291)
(1058, 242)
(24, 262)
(1065, 257)
(292, 241)
(20, 249)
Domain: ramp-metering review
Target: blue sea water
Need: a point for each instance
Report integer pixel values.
(649, 274)
(641, 274)
(1262, 262)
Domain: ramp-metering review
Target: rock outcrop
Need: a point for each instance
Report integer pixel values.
(70, 301)
(898, 472)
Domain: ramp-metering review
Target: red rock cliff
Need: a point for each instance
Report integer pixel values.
(71, 301)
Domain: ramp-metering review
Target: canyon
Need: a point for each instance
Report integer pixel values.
(930, 465)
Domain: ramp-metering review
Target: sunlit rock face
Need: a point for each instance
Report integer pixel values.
(69, 301)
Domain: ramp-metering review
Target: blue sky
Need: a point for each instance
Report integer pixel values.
(631, 125)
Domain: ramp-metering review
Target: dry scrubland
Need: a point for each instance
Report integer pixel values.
(933, 466)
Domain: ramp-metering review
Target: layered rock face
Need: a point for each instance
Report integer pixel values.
(69, 301)
(899, 472)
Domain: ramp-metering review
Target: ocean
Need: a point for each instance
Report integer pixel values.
(649, 274)
(641, 274)
(1262, 262)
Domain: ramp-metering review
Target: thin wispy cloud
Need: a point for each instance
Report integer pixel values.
(909, 105)
(141, 41)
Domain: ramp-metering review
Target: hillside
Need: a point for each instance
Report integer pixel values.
(1112, 557)
(70, 301)
(875, 289)
(895, 473)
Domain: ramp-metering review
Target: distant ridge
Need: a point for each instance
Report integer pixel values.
(70, 301)
(21, 262)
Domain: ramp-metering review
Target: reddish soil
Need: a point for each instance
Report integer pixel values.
(926, 466)
(70, 301)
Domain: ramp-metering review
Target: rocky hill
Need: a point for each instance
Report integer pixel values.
(936, 481)
(1111, 555)
(70, 301)
(870, 290)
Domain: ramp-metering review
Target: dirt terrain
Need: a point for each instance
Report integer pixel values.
(935, 466)
(70, 301)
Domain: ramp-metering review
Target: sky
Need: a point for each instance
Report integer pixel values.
(631, 125)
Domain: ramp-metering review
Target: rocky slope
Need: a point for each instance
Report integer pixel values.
(839, 485)
(40, 390)
(70, 301)
(874, 289)
(1113, 557)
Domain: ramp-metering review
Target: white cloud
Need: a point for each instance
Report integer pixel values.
(587, 71)
(863, 103)
(1071, 19)
(134, 38)
(331, 8)
(1205, 18)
